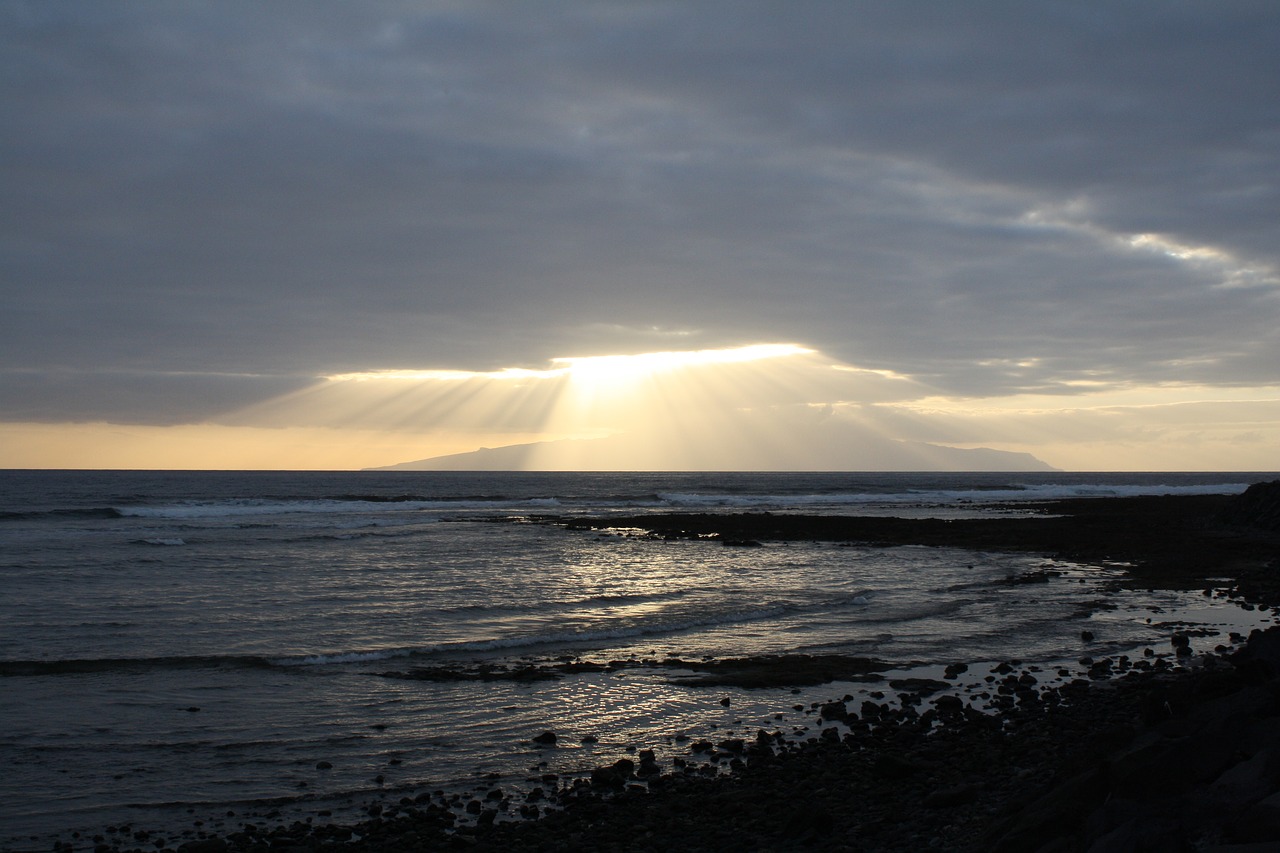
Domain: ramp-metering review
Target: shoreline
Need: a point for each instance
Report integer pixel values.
(931, 771)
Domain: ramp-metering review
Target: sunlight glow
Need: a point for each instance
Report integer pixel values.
(621, 368)
(757, 407)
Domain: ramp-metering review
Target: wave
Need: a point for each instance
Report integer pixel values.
(85, 512)
(161, 541)
(574, 637)
(80, 666)
(258, 507)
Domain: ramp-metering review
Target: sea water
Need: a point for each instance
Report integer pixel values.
(185, 649)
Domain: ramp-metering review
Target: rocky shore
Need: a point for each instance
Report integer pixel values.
(1176, 749)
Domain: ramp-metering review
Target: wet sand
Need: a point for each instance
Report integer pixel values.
(1179, 749)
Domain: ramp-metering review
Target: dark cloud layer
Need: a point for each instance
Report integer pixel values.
(947, 190)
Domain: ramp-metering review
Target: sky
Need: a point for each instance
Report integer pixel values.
(337, 235)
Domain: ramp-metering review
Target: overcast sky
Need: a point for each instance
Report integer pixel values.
(208, 205)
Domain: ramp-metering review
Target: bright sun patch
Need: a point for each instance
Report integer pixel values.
(623, 368)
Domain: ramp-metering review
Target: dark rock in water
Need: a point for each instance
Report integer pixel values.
(1180, 641)
(923, 686)
(324, 765)
(954, 670)
(949, 704)
(834, 711)
(1261, 651)
(780, 670)
(741, 543)
(1038, 576)
(606, 777)
(1087, 636)
(546, 739)
(1258, 506)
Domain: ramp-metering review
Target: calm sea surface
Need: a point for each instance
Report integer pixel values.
(178, 646)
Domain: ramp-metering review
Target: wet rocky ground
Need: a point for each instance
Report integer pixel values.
(1174, 748)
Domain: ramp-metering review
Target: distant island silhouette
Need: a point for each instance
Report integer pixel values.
(812, 451)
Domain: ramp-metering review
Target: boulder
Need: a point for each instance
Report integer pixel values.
(1258, 506)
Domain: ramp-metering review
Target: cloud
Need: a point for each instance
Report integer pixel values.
(992, 199)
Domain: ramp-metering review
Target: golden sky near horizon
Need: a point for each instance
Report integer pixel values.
(749, 398)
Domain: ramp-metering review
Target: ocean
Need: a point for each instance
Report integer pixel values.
(185, 651)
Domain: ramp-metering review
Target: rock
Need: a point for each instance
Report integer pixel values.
(894, 767)
(607, 777)
(922, 686)
(546, 739)
(1261, 823)
(204, 845)
(1262, 651)
(1258, 506)
(957, 795)
(834, 711)
(949, 704)
(808, 826)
